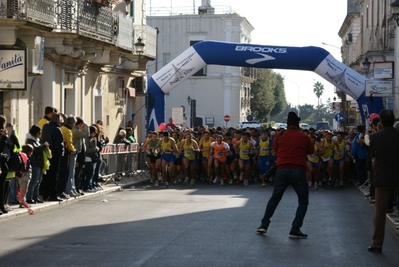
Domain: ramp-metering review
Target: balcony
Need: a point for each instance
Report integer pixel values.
(80, 17)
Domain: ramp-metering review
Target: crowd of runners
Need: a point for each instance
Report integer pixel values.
(230, 156)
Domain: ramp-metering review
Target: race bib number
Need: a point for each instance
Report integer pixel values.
(188, 153)
(245, 152)
(326, 159)
(264, 149)
(220, 154)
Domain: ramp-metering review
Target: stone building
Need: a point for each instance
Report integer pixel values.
(78, 56)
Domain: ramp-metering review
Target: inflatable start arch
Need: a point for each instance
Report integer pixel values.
(256, 56)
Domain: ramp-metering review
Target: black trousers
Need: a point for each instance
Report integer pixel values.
(49, 181)
(3, 184)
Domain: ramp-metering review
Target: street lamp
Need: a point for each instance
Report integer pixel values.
(366, 66)
(138, 51)
(298, 87)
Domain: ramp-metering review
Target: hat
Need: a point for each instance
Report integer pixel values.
(272, 133)
(293, 119)
(373, 116)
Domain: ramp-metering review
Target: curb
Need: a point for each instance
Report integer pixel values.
(18, 212)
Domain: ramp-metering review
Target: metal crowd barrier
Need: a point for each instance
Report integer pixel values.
(123, 162)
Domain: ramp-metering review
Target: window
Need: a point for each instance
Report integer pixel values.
(166, 58)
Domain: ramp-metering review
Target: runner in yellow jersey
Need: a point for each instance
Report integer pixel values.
(263, 149)
(169, 149)
(205, 147)
(327, 157)
(243, 149)
(189, 148)
(179, 158)
(339, 159)
(155, 156)
(313, 164)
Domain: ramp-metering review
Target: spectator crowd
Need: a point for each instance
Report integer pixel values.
(61, 158)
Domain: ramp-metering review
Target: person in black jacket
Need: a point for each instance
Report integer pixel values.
(384, 149)
(52, 134)
(37, 162)
(5, 155)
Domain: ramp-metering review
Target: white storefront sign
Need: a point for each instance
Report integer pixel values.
(13, 74)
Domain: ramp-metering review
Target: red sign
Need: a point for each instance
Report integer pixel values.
(226, 118)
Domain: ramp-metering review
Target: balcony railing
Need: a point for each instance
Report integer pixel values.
(95, 22)
(248, 72)
(125, 31)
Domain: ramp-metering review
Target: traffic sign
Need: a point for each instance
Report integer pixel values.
(339, 117)
(226, 118)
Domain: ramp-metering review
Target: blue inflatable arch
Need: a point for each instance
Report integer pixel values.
(256, 56)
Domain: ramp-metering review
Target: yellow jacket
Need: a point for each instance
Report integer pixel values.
(42, 122)
(67, 133)
(46, 162)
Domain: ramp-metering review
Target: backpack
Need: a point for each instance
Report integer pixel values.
(17, 162)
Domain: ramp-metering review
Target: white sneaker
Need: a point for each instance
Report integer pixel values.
(221, 182)
(246, 182)
(234, 175)
(186, 180)
(156, 183)
(241, 176)
(192, 183)
(216, 180)
(310, 184)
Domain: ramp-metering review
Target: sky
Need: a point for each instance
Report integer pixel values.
(283, 23)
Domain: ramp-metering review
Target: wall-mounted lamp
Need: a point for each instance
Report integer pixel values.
(189, 100)
(138, 50)
(366, 65)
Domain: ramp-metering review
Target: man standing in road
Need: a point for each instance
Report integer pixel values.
(292, 148)
(384, 149)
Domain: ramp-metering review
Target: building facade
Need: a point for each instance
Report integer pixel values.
(214, 91)
(80, 58)
(368, 41)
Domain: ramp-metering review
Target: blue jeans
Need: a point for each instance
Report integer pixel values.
(12, 195)
(70, 187)
(33, 188)
(283, 178)
(88, 175)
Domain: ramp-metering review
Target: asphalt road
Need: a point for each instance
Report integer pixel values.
(201, 226)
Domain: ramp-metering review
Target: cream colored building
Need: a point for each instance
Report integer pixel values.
(81, 59)
(368, 31)
(217, 90)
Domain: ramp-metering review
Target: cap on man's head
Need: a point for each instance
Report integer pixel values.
(272, 133)
(293, 119)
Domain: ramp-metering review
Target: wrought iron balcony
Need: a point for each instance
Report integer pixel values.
(248, 72)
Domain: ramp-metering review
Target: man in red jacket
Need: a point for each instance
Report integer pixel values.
(292, 147)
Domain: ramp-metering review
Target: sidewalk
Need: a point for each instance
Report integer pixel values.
(392, 218)
(111, 186)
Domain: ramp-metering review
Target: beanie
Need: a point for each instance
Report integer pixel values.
(293, 119)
